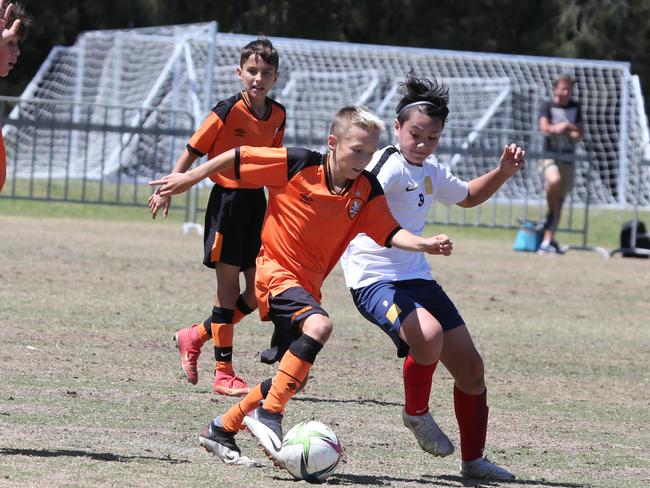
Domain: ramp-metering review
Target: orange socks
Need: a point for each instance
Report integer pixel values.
(291, 374)
(233, 419)
(222, 335)
(220, 326)
(204, 335)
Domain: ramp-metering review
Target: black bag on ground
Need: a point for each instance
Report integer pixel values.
(642, 239)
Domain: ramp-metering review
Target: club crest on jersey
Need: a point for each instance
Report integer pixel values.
(354, 207)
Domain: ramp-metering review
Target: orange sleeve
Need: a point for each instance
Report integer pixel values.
(378, 221)
(205, 136)
(3, 162)
(263, 166)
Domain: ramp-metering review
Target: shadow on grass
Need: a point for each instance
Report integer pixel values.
(519, 482)
(97, 456)
(361, 480)
(442, 480)
(356, 401)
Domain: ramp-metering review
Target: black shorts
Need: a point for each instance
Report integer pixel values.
(286, 311)
(233, 223)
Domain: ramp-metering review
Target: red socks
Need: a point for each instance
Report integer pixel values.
(417, 386)
(471, 410)
(472, 416)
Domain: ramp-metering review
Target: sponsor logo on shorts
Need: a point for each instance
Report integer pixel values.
(393, 313)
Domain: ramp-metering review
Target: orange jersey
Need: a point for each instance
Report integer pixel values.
(307, 225)
(233, 123)
(3, 162)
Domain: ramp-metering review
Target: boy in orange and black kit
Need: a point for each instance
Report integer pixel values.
(13, 25)
(235, 211)
(317, 204)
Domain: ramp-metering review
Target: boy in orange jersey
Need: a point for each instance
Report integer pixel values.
(235, 211)
(317, 204)
(13, 24)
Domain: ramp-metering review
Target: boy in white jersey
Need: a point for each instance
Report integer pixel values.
(395, 289)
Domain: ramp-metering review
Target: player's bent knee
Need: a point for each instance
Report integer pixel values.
(472, 380)
(554, 181)
(227, 293)
(318, 326)
(424, 357)
(427, 351)
(250, 299)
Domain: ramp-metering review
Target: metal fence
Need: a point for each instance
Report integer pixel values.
(90, 153)
(105, 154)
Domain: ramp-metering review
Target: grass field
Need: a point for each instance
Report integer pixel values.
(90, 392)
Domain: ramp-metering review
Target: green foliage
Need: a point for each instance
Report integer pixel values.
(595, 29)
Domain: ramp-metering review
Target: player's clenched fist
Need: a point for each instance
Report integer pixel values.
(439, 244)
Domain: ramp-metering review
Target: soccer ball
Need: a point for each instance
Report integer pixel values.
(311, 451)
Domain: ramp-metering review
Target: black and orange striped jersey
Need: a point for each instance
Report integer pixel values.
(233, 123)
(3, 162)
(307, 225)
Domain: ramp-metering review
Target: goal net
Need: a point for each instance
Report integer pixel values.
(148, 88)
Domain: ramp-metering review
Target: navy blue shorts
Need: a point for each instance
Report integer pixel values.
(388, 303)
(286, 311)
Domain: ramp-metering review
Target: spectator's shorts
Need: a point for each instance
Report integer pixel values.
(566, 170)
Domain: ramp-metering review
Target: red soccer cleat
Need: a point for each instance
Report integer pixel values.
(229, 384)
(189, 345)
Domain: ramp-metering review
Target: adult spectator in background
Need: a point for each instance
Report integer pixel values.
(561, 120)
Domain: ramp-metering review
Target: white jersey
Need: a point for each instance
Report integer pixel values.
(410, 191)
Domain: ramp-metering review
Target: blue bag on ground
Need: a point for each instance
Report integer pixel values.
(529, 237)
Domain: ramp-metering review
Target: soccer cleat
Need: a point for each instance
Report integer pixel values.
(229, 384)
(220, 443)
(267, 428)
(189, 345)
(556, 245)
(484, 469)
(546, 248)
(430, 437)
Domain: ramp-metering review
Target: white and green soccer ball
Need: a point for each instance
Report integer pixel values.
(311, 451)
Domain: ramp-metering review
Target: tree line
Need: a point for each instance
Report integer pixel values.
(592, 29)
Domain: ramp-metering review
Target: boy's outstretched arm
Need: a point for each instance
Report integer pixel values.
(156, 202)
(440, 244)
(483, 187)
(176, 183)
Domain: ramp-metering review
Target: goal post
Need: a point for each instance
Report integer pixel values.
(167, 70)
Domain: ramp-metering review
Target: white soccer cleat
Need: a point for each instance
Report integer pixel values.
(484, 469)
(430, 437)
(267, 428)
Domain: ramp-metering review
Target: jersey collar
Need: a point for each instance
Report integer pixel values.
(328, 178)
(267, 106)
